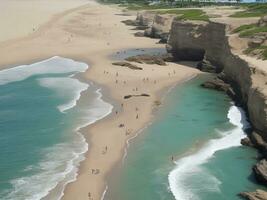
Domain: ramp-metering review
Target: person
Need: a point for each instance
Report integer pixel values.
(137, 116)
(172, 158)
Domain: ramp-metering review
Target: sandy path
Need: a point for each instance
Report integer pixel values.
(90, 34)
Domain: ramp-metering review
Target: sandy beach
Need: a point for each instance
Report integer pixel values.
(92, 33)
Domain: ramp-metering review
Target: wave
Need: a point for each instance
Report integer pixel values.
(54, 65)
(189, 169)
(59, 163)
(67, 87)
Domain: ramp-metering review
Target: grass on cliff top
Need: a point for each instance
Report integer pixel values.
(188, 14)
(250, 30)
(252, 10)
(262, 51)
(253, 31)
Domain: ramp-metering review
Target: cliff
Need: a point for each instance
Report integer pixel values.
(158, 26)
(209, 41)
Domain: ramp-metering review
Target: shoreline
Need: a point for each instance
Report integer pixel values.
(162, 95)
(103, 132)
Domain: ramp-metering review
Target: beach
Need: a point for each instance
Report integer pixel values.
(92, 33)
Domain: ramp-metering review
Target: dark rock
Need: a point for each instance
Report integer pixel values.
(148, 32)
(139, 34)
(164, 38)
(257, 195)
(148, 59)
(136, 95)
(144, 95)
(259, 143)
(255, 42)
(167, 57)
(206, 66)
(141, 28)
(231, 93)
(130, 22)
(246, 142)
(260, 171)
(127, 64)
(169, 48)
(121, 125)
(216, 84)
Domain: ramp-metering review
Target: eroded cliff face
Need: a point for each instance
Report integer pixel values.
(158, 26)
(209, 41)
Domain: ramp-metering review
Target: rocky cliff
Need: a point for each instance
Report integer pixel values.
(208, 41)
(158, 26)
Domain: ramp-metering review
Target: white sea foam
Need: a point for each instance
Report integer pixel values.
(54, 65)
(188, 170)
(59, 164)
(67, 87)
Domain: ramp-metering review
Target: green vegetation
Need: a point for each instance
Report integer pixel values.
(190, 14)
(163, 4)
(252, 10)
(250, 30)
(253, 31)
(261, 50)
(244, 28)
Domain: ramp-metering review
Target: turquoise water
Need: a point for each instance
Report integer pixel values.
(204, 169)
(41, 113)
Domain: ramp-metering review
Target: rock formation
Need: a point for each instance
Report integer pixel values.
(136, 95)
(260, 171)
(148, 59)
(209, 43)
(154, 25)
(257, 195)
(198, 41)
(127, 64)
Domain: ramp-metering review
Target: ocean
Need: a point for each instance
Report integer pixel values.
(191, 151)
(41, 116)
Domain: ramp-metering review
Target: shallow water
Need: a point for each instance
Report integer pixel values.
(41, 114)
(201, 129)
(121, 55)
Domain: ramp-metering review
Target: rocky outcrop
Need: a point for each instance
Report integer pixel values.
(219, 85)
(257, 195)
(148, 59)
(142, 21)
(260, 171)
(157, 26)
(127, 64)
(145, 18)
(136, 95)
(160, 27)
(206, 66)
(208, 41)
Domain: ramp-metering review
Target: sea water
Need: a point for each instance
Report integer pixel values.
(41, 114)
(191, 151)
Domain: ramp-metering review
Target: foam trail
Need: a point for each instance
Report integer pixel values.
(66, 87)
(189, 168)
(54, 65)
(59, 164)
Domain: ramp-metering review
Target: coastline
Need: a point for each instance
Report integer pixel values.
(98, 134)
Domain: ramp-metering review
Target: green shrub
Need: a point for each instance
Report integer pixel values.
(252, 10)
(253, 31)
(190, 14)
(244, 28)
